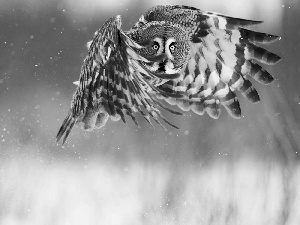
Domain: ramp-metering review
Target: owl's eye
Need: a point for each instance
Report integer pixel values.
(155, 46)
(172, 47)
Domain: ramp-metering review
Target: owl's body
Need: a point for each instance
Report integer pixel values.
(190, 58)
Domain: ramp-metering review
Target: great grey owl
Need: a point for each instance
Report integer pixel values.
(183, 55)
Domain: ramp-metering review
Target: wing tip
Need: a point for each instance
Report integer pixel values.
(275, 59)
(258, 37)
(233, 108)
(66, 128)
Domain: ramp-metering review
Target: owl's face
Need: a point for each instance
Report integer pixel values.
(164, 42)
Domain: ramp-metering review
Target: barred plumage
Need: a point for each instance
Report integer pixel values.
(188, 57)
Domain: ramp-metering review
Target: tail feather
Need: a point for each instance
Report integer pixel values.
(66, 127)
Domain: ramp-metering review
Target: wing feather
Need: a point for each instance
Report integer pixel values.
(224, 54)
(111, 83)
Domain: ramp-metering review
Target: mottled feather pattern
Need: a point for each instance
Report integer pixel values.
(108, 87)
(197, 60)
(222, 59)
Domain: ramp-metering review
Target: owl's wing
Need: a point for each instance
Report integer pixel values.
(224, 54)
(113, 83)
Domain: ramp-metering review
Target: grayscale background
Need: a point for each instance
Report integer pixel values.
(223, 171)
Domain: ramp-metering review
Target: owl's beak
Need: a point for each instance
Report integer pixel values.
(162, 66)
(161, 75)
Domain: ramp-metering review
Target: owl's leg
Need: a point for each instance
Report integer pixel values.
(115, 118)
(89, 120)
(101, 120)
(94, 119)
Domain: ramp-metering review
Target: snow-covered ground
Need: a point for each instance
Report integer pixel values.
(98, 192)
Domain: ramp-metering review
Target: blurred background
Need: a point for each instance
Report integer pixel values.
(223, 171)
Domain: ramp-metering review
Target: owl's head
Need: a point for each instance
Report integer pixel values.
(166, 42)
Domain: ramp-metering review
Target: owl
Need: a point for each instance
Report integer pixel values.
(174, 55)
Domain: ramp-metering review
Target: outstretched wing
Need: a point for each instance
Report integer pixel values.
(112, 83)
(224, 54)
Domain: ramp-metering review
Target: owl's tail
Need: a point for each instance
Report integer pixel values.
(66, 127)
